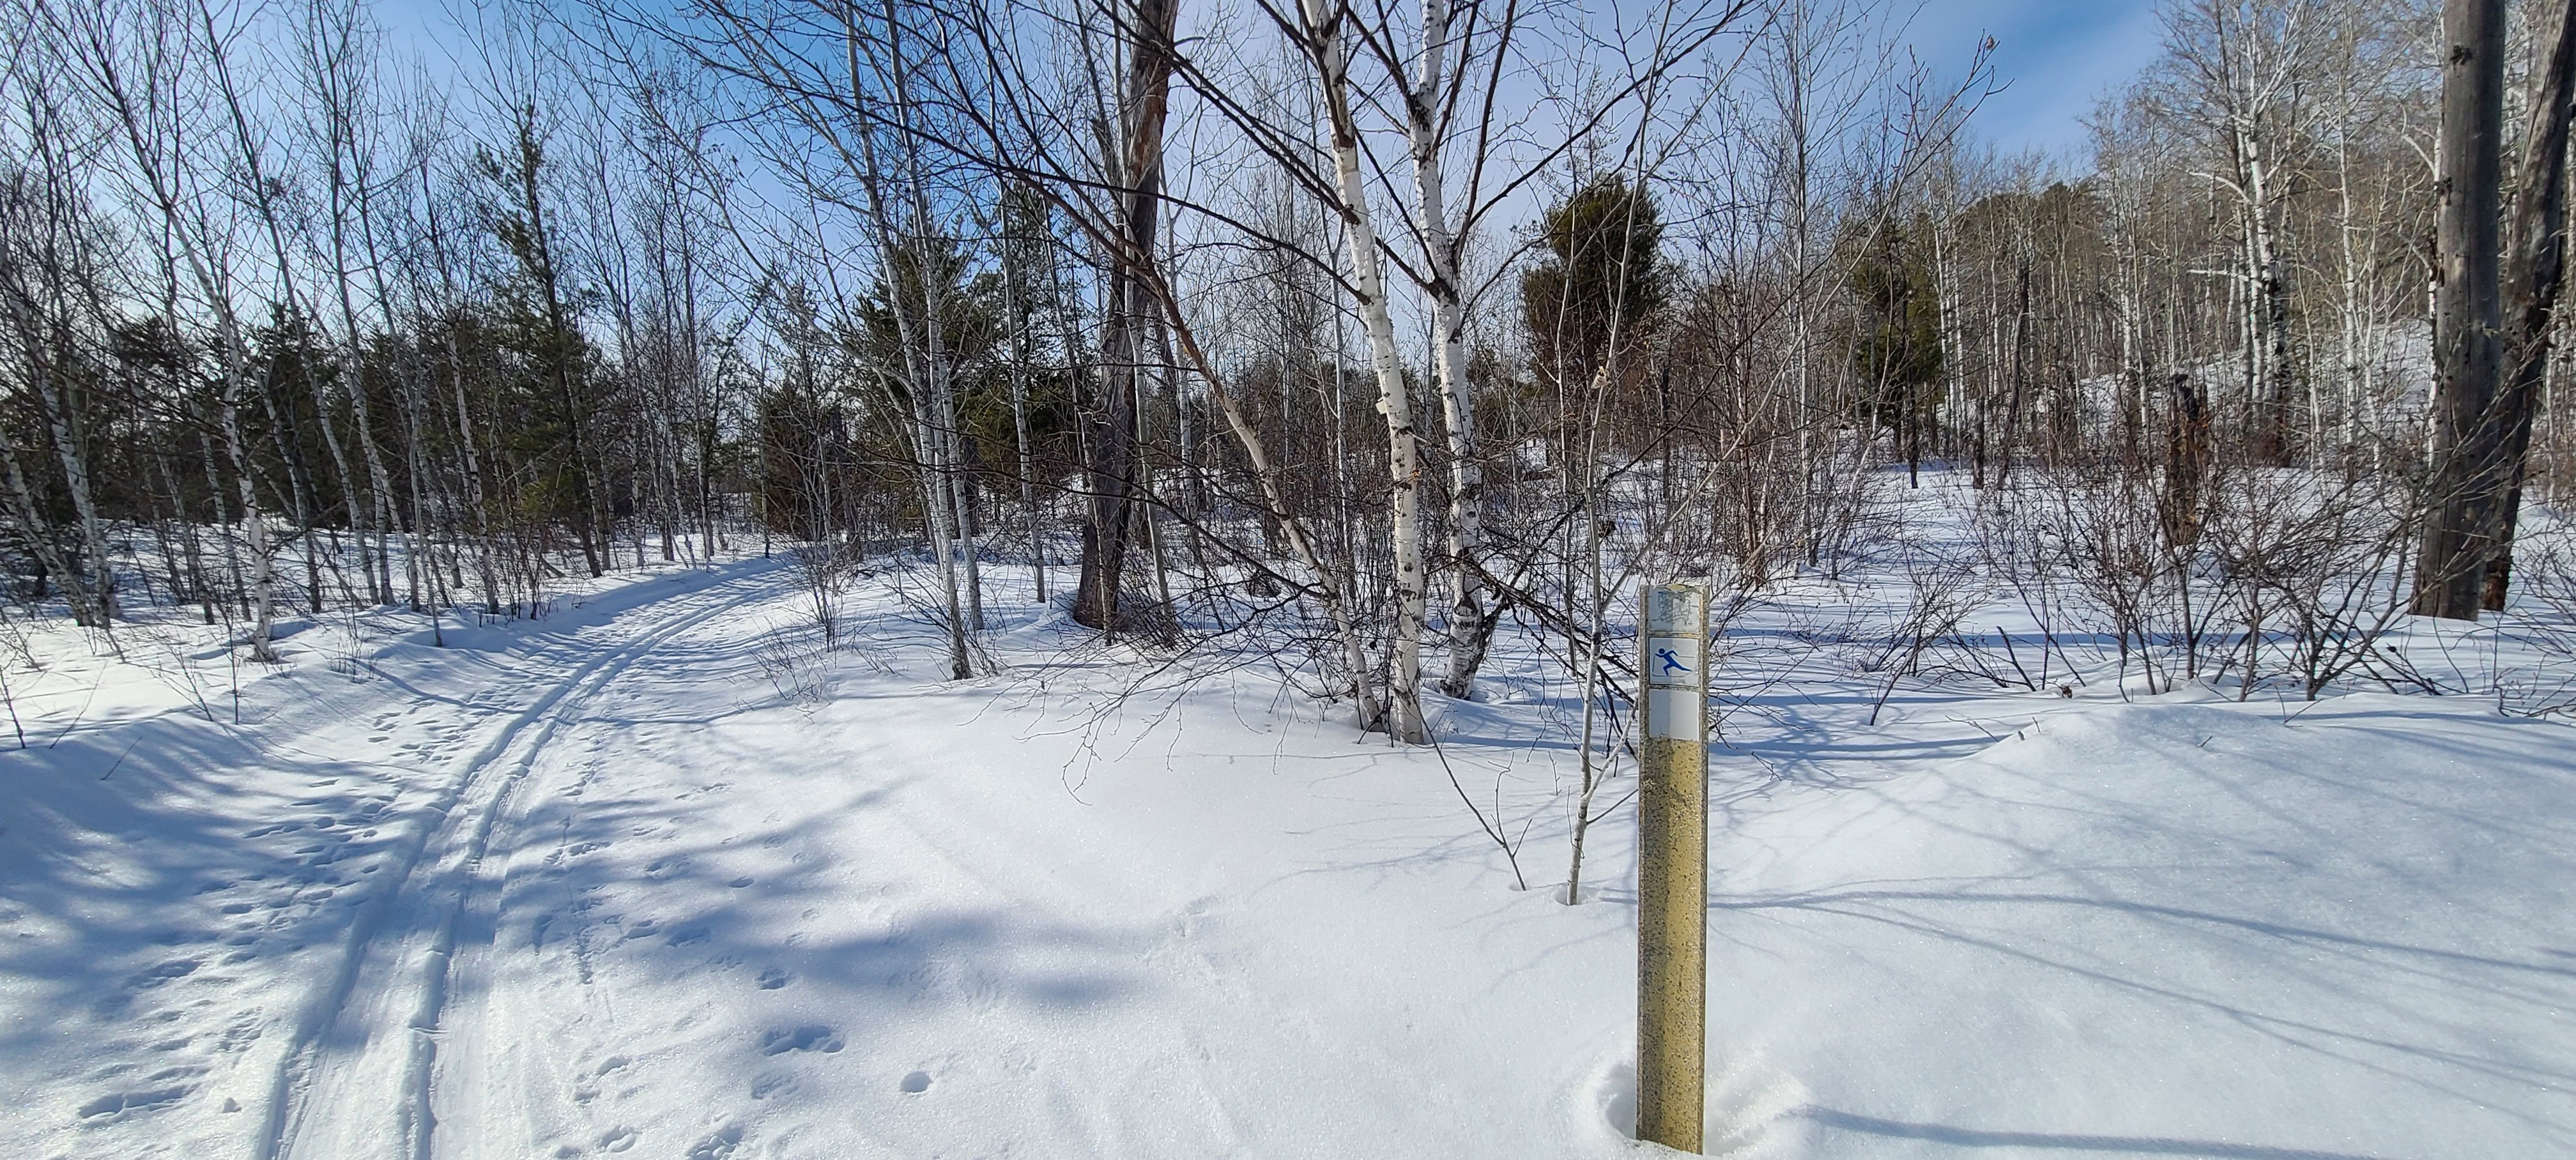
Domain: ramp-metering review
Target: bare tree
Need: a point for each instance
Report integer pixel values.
(2466, 483)
(2535, 267)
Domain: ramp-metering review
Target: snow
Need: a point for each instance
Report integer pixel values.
(602, 882)
(2181, 927)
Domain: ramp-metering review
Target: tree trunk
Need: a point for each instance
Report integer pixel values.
(2187, 463)
(92, 598)
(1015, 290)
(1467, 636)
(2536, 266)
(2468, 351)
(1110, 442)
(1324, 43)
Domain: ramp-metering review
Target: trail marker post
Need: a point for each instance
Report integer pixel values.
(1672, 864)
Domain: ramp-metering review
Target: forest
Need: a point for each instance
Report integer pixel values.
(929, 577)
(1345, 336)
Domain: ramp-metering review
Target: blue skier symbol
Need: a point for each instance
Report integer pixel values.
(1671, 663)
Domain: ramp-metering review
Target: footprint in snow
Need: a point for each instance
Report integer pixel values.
(719, 1146)
(917, 1082)
(118, 1103)
(774, 978)
(810, 1037)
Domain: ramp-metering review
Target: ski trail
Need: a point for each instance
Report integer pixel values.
(531, 1040)
(335, 1083)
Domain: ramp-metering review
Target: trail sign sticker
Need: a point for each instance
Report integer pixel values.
(1675, 688)
(1672, 661)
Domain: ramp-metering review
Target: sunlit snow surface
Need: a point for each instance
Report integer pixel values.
(615, 880)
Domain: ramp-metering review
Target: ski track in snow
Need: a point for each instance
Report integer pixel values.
(391, 995)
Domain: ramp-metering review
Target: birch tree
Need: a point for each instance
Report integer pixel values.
(1323, 40)
(133, 61)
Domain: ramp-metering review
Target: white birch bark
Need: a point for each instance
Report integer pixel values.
(1404, 654)
(1441, 248)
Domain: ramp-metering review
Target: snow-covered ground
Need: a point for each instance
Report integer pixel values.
(617, 880)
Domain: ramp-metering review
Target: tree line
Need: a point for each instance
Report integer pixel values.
(1344, 331)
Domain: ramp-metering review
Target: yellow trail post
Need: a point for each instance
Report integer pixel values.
(1672, 864)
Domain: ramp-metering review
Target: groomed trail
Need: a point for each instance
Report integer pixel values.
(360, 1078)
(646, 877)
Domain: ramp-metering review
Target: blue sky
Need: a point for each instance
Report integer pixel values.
(2058, 55)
